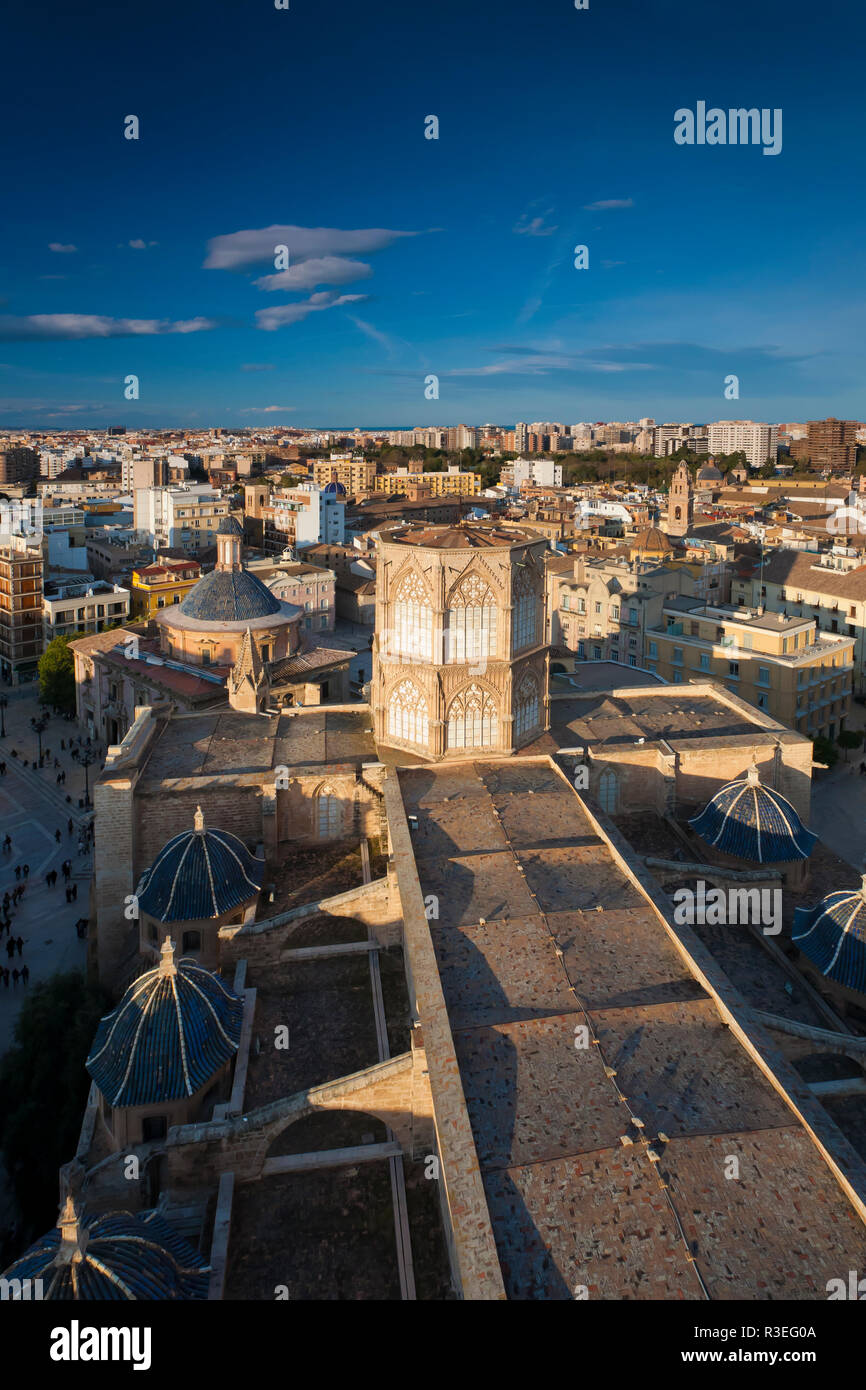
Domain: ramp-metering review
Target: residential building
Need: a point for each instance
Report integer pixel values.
(185, 518)
(21, 638)
(784, 666)
(448, 482)
(757, 441)
(828, 444)
(87, 607)
(305, 515)
(18, 465)
(354, 474)
(309, 587)
(822, 587)
(161, 584)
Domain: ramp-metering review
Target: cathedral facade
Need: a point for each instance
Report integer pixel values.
(459, 657)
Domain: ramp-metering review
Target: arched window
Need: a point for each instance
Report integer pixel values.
(525, 609)
(608, 791)
(473, 720)
(407, 714)
(471, 622)
(413, 621)
(327, 814)
(526, 706)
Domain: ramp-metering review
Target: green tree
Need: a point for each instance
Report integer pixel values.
(850, 738)
(57, 675)
(43, 1090)
(823, 751)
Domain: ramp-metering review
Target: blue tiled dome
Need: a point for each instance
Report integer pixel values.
(199, 874)
(833, 936)
(173, 1030)
(335, 489)
(754, 822)
(230, 596)
(117, 1256)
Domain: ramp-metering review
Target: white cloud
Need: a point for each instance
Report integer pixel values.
(62, 250)
(281, 314)
(267, 409)
(534, 227)
(319, 270)
(256, 246)
(605, 203)
(71, 327)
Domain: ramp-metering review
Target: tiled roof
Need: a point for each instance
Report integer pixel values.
(230, 526)
(118, 1256)
(172, 1031)
(229, 596)
(303, 663)
(833, 936)
(199, 874)
(754, 822)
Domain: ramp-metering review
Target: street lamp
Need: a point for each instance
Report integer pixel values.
(85, 761)
(39, 727)
(3, 703)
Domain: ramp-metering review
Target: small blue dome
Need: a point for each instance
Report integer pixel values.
(833, 936)
(335, 489)
(173, 1030)
(199, 874)
(754, 822)
(118, 1256)
(229, 596)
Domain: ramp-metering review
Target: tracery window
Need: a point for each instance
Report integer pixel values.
(327, 814)
(473, 719)
(525, 610)
(471, 623)
(608, 791)
(407, 714)
(413, 621)
(526, 706)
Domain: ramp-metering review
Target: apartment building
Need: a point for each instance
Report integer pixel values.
(157, 586)
(758, 442)
(451, 482)
(601, 609)
(18, 466)
(829, 444)
(300, 516)
(354, 474)
(823, 587)
(87, 607)
(21, 639)
(185, 518)
(782, 665)
(309, 587)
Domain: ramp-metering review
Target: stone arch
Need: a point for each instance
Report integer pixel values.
(411, 629)
(472, 719)
(471, 623)
(407, 713)
(527, 705)
(327, 813)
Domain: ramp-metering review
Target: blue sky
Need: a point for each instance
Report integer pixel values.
(411, 256)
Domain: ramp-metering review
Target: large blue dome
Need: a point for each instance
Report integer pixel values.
(118, 1256)
(754, 822)
(230, 596)
(199, 874)
(833, 936)
(173, 1030)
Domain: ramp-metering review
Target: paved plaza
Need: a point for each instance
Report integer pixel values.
(32, 808)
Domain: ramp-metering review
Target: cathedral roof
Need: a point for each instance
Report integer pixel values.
(199, 874)
(709, 474)
(833, 936)
(652, 539)
(118, 1256)
(173, 1030)
(754, 822)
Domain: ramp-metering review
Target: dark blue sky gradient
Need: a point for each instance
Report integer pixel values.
(724, 261)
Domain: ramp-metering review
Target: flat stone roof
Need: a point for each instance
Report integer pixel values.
(651, 713)
(542, 932)
(233, 743)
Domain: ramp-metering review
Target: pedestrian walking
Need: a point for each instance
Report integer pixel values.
(5, 974)
(69, 826)
(58, 836)
(15, 974)
(26, 870)
(7, 843)
(18, 871)
(69, 895)
(10, 947)
(74, 891)
(25, 974)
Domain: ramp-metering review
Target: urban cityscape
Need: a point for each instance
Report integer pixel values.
(432, 856)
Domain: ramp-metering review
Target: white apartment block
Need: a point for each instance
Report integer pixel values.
(757, 441)
(186, 517)
(85, 607)
(538, 472)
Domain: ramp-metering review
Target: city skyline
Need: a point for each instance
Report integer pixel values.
(410, 257)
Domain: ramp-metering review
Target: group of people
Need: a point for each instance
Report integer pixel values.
(15, 943)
